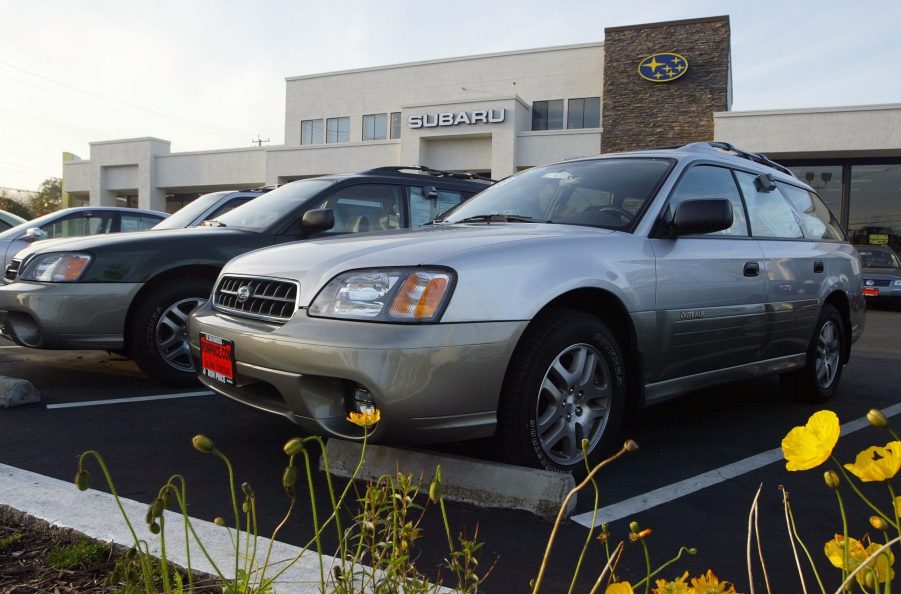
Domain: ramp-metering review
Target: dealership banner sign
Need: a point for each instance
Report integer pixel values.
(479, 116)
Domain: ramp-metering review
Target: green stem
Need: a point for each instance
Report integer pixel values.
(247, 528)
(231, 484)
(647, 564)
(891, 492)
(682, 551)
(272, 541)
(845, 551)
(594, 517)
(797, 537)
(331, 492)
(182, 504)
(184, 495)
(450, 538)
(164, 566)
(862, 496)
(306, 460)
(145, 569)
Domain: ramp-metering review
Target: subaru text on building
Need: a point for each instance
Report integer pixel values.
(545, 307)
(132, 293)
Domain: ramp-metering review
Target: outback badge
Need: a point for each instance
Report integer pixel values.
(663, 67)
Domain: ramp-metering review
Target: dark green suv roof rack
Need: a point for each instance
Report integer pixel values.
(428, 170)
(756, 157)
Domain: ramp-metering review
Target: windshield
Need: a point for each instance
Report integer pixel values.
(608, 193)
(186, 214)
(262, 213)
(878, 258)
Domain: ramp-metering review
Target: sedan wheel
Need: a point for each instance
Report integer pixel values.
(172, 334)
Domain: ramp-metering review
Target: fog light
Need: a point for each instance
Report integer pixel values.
(362, 400)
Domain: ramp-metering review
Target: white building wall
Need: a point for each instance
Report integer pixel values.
(212, 170)
(292, 162)
(857, 131)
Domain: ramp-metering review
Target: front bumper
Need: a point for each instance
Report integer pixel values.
(432, 383)
(882, 294)
(66, 315)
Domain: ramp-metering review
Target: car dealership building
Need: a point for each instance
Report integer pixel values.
(652, 85)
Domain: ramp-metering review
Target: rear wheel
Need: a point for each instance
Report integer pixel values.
(565, 385)
(819, 378)
(157, 334)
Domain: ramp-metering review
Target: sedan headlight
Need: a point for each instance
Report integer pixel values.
(56, 268)
(897, 283)
(411, 295)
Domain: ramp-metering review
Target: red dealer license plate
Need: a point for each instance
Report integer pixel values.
(217, 358)
(870, 292)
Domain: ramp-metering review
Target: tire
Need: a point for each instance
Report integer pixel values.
(819, 379)
(543, 414)
(156, 336)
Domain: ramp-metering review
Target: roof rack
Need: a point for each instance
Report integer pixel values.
(259, 189)
(756, 157)
(429, 171)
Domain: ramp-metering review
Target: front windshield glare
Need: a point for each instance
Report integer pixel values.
(262, 213)
(608, 193)
(879, 259)
(187, 213)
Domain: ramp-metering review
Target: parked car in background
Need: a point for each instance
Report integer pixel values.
(9, 220)
(76, 222)
(132, 293)
(545, 307)
(881, 274)
(210, 206)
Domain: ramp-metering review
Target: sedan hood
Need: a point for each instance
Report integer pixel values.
(893, 273)
(314, 262)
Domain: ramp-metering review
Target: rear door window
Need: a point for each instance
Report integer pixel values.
(816, 220)
(769, 212)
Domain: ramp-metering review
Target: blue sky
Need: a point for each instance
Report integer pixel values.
(210, 74)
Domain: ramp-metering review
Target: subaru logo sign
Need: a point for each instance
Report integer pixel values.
(243, 294)
(870, 282)
(663, 67)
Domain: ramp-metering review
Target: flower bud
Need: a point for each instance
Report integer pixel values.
(245, 507)
(634, 527)
(218, 521)
(202, 444)
(248, 490)
(692, 551)
(585, 444)
(289, 477)
(878, 523)
(435, 491)
(630, 446)
(154, 528)
(156, 510)
(832, 480)
(293, 446)
(877, 418)
(82, 480)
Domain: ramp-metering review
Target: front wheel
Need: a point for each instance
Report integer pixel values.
(818, 380)
(157, 334)
(565, 385)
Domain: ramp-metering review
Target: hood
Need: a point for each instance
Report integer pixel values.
(314, 262)
(892, 273)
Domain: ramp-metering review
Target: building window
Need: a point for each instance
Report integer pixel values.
(395, 124)
(547, 115)
(875, 216)
(584, 113)
(311, 132)
(827, 181)
(337, 130)
(375, 127)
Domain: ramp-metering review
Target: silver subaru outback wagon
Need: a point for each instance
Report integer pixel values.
(546, 306)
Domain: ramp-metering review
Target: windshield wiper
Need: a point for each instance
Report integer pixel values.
(498, 218)
(212, 223)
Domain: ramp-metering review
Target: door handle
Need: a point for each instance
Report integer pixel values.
(752, 268)
(818, 266)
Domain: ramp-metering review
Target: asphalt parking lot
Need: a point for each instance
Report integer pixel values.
(701, 459)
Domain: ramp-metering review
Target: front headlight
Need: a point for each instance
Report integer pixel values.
(898, 283)
(411, 295)
(56, 268)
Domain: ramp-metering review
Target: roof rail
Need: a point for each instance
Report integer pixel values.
(429, 171)
(259, 189)
(756, 157)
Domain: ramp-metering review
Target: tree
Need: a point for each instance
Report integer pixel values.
(16, 208)
(49, 198)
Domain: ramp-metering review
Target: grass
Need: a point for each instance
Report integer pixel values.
(78, 553)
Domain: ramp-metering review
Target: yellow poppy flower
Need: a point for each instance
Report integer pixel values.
(835, 552)
(857, 554)
(677, 586)
(809, 446)
(876, 463)
(882, 565)
(898, 505)
(710, 584)
(619, 588)
(365, 419)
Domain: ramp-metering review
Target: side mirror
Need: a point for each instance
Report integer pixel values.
(430, 192)
(318, 219)
(33, 234)
(696, 217)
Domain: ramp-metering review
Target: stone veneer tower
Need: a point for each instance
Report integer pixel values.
(640, 114)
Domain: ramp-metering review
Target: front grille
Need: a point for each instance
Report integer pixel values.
(13, 269)
(877, 282)
(269, 299)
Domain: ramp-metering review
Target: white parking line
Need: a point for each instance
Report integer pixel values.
(12, 346)
(646, 501)
(126, 400)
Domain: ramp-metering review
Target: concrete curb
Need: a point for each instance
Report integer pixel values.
(16, 392)
(486, 484)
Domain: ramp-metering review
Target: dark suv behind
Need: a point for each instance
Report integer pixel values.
(132, 293)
